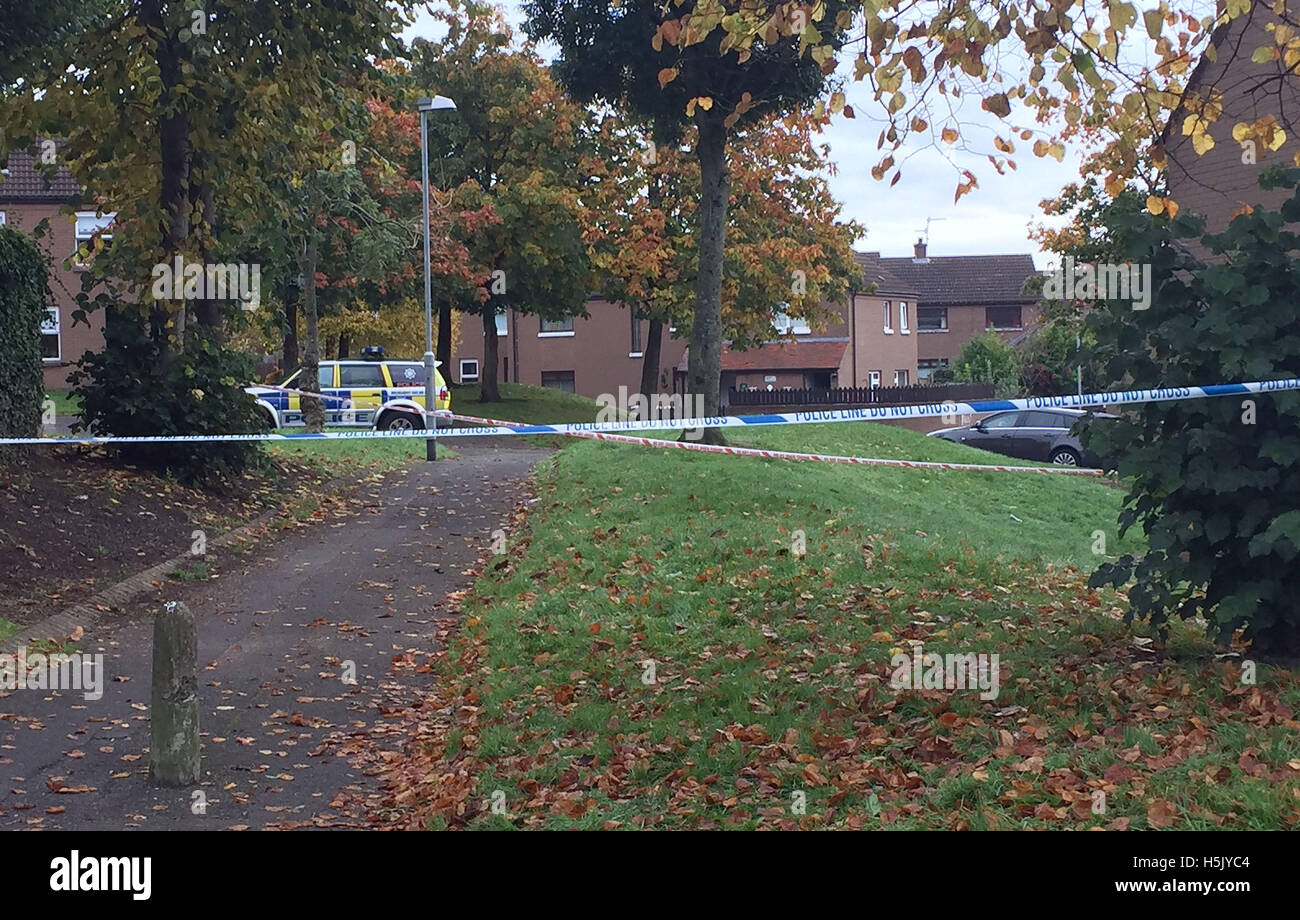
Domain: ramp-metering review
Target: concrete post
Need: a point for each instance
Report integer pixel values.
(174, 716)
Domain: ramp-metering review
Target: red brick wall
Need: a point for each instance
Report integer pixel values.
(58, 243)
(1217, 184)
(872, 349)
(964, 324)
(598, 352)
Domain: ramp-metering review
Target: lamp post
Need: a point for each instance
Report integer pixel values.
(426, 105)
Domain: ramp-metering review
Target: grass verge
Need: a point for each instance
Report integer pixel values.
(682, 640)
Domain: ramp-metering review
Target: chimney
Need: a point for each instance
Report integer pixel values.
(919, 250)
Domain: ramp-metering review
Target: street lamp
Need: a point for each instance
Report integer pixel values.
(426, 105)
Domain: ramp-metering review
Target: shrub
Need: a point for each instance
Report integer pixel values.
(1215, 482)
(22, 307)
(988, 359)
(129, 389)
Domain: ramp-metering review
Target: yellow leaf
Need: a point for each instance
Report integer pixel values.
(1155, 205)
(666, 76)
(1279, 138)
(949, 135)
(1202, 143)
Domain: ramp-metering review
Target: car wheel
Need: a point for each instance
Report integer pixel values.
(399, 421)
(1063, 456)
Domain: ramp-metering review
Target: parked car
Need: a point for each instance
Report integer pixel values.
(1042, 435)
(376, 393)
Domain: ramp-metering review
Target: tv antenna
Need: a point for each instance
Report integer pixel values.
(926, 231)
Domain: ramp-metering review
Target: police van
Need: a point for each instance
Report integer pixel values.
(375, 392)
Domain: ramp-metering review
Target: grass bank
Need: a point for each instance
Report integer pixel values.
(682, 640)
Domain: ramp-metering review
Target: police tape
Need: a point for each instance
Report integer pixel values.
(787, 455)
(346, 400)
(829, 416)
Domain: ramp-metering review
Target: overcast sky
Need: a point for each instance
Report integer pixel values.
(993, 219)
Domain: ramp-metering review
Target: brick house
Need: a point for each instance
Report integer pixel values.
(920, 314)
(870, 343)
(26, 199)
(1220, 182)
(586, 355)
(603, 351)
(958, 297)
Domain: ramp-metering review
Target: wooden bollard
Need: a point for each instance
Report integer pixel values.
(174, 716)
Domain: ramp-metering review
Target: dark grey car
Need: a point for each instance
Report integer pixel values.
(1041, 435)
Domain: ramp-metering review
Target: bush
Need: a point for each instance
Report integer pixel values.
(1215, 482)
(22, 308)
(128, 389)
(1049, 360)
(988, 359)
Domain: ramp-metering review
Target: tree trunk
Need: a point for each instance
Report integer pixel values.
(650, 359)
(207, 311)
(442, 350)
(487, 374)
(290, 356)
(313, 409)
(173, 148)
(345, 346)
(704, 373)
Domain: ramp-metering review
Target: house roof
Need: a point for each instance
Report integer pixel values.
(874, 271)
(961, 280)
(780, 356)
(25, 182)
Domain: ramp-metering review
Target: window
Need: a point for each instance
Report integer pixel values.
(902, 317)
(51, 344)
(361, 375)
(558, 380)
(785, 325)
(873, 379)
(932, 319)
(887, 328)
(927, 366)
(502, 323)
(900, 378)
(406, 374)
(557, 327)
(325, 378)
(468, 369)
(635, 350)
(2, 218)
(1002, 317)
(88, 225)
(1005, 420)
(1044, 420)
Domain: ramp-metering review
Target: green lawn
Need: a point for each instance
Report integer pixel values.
(527, 404)
(65, 403)
(686, 640)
